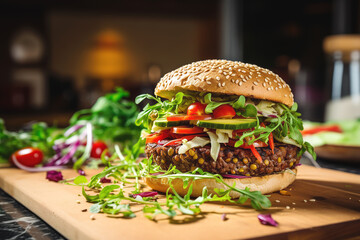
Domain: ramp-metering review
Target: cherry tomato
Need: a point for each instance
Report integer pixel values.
(187, 130)
(224, 111)
(97, 149)
(156, 137)
(196, 108)
(181, 117)
(28, 156)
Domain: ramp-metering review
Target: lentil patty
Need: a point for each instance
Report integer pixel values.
(230, 161)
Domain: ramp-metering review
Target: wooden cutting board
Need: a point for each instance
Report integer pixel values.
(324, 204)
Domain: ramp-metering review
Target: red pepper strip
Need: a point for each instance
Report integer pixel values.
(331, 128)
(256, 153)
(271, 142)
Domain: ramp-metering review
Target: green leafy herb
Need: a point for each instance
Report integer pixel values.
(112, 199)
(112, 117)
(40, 136)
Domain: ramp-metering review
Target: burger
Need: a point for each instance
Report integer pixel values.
(224, 117)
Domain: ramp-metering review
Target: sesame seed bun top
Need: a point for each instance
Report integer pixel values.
(226, 77)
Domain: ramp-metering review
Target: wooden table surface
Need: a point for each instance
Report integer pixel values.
(324, 204)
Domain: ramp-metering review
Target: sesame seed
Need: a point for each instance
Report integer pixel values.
(208, 83)
(220, 71)
(293, 203)
(240, 83)
(264, 84)
(305, 200)
(92, 217)
(237, 81)
(223, 84)
(78, 201)
(218, 78)
(255, 83)
(227, 77)
(268, 89)
(219, 84)
(233, 75)
(312, 200)
(277, 201)
(287, 207)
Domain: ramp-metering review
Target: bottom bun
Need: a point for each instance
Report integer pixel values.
(264, 184)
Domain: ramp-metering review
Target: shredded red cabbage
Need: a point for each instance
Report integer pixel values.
(54, 176)
(299, 164)
(73, 129)
(145, 194)
(105, 180)
(266, 219)
(35, 169)
(56, 161)
(234, 176)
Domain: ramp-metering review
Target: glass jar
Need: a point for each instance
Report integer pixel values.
(343, 52)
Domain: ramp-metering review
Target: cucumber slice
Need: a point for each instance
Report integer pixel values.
(165, 123)
(232, 124)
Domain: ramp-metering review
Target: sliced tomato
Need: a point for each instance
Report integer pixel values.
(155, 137)
(187, 130)
(224, 111)
(183, 117)
(196, 108)
(330, 128)
(199, 117)
(240, 132)
(271, 143)
(176, 117)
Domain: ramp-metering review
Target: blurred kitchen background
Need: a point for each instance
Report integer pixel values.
(59, 56)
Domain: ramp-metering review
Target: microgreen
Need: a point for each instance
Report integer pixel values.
(112, 118)
(113, 199)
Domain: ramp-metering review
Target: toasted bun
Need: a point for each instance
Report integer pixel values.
(226, 77)
(264, 184)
